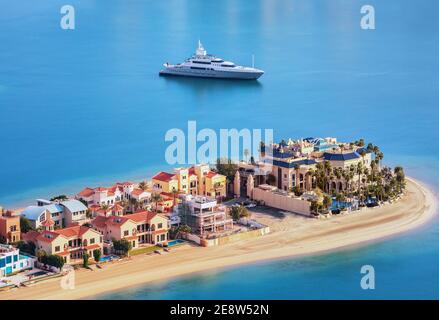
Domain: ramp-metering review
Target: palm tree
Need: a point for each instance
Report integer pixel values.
(327, 173)
(156, 198)
(359, 172)
(142, 185)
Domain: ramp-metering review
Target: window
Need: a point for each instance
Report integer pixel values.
(126, 233)
(201, 62)
(162, 237)
(57, 249)
(160, 225)
(92, 240)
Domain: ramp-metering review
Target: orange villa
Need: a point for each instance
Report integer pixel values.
(9, 226)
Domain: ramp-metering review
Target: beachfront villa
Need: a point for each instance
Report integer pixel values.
(69, 243)
(102, 211)
(196, 180)
(297, 175)
(293, 162)
(63, 213)
(9, 226)
(106, 196)
(139, 228)
(11, 261)
(204, 215)
(140, 195)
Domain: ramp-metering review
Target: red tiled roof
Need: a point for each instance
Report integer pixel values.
(164, 176)
(211, 174)
(30, 235)
(141, 216)
(126, 183)
(48, 223)
(87, 192)
(73, 231)
(116, 220)
(116, 207)
(47, 236)
(170, 195)
(99, 221)
(191, 170)
(159, 231)
(93, 246)
(137, 192)
(115, 188)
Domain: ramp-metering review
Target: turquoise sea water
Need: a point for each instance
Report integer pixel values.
(86, 107)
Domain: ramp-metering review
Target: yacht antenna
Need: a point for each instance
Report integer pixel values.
(253, 61)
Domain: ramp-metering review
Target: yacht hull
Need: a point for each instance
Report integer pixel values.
(245, 75)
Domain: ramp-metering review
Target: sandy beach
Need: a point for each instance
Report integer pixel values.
(291, 235)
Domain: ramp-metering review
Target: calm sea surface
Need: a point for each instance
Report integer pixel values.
(87, 107)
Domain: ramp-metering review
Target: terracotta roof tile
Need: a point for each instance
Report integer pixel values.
(87, 192)
(164, 176)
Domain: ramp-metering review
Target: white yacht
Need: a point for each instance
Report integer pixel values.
(205, 65)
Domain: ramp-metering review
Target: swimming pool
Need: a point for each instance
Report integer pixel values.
(175, 242)
(111, 257)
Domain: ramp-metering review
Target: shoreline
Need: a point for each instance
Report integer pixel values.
(290, 237)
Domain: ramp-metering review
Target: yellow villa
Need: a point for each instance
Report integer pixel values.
(196, 180)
